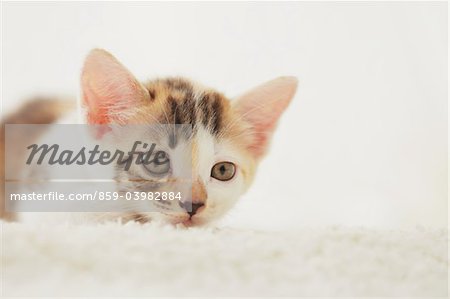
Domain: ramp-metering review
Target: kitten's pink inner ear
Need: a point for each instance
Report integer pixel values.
(110, 92)
(261, 108)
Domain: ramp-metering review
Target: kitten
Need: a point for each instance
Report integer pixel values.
(227, 142)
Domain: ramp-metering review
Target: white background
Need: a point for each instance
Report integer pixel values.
(364, 141)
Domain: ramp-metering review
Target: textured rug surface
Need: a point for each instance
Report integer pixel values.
(153, 260)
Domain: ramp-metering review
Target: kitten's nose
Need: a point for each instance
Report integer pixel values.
(195, 207)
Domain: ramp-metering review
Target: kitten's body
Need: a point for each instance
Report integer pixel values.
(236, 133)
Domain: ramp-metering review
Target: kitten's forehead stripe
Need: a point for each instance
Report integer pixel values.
(152, 93)
(174, 107)
(217, 119)
(211, 106)
(190, 110)
(204, 108)
(183, 103)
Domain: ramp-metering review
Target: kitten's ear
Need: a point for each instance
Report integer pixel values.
(261, 108)
(109, 91)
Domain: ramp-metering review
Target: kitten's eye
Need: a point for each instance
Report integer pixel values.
(159, 166)
(223, 171)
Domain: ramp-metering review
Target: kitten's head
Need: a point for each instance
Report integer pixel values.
(227, 142)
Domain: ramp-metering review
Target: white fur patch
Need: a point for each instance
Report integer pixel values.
(152, 260)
